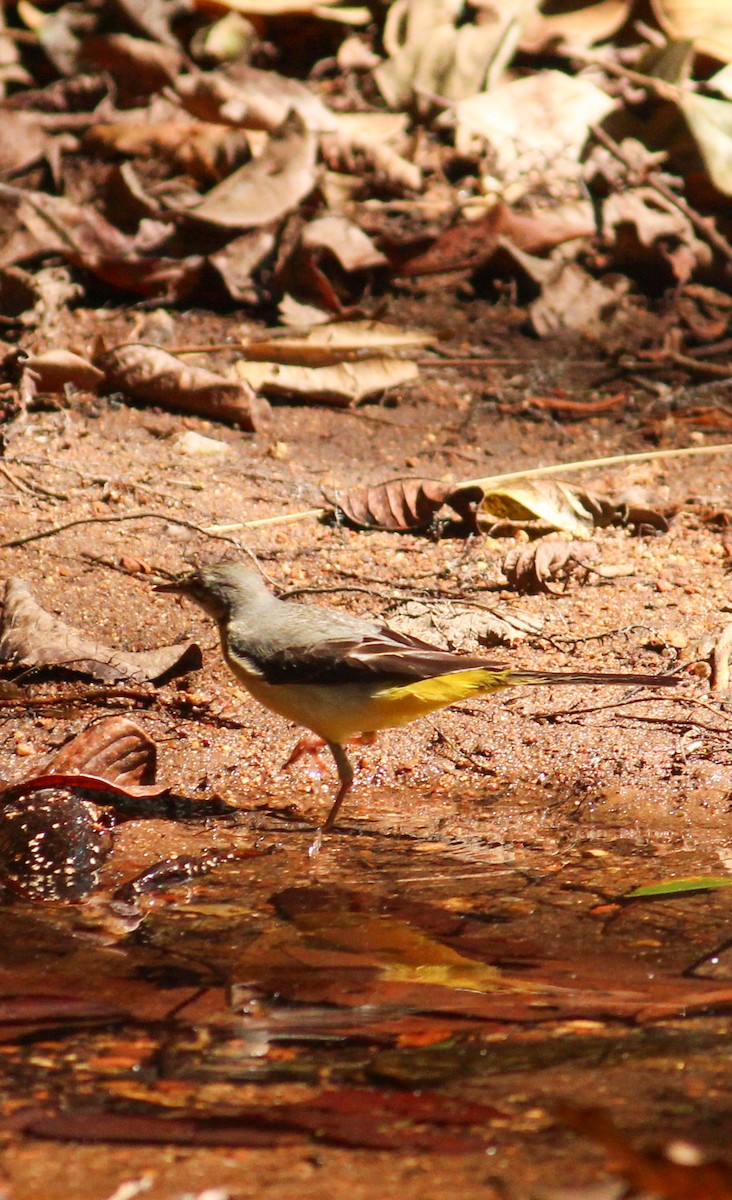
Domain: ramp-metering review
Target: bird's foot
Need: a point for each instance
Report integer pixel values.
(309, 744)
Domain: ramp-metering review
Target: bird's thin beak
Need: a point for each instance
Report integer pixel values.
(175, 585)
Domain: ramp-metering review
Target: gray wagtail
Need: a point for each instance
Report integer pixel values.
(344, 677)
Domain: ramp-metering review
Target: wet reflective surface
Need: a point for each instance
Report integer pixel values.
(385, 996)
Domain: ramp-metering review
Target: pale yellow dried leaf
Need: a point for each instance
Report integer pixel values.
(708, 23)
(710, 122)
(265, 189)
(558, 504)
(430, 55)
(581, 27)
(341, 385)
(539, 121)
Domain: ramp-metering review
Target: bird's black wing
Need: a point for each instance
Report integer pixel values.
(384, 655)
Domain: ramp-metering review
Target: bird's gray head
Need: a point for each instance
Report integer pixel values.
(222, 588)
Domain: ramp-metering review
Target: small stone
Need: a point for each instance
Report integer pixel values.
(198, 446)
(677, 639)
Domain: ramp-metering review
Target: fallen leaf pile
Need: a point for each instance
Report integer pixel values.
(168, 161)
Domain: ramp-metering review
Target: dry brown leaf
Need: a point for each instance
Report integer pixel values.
(659, 227)
(577, 28)
(152, 375)
(558, 505)
(276, 8)
(23, 140)
(333, 263)
(202, 149)
(138, 66)
(708, 23)
(363, 142)
(341, 237)
(430, 54)
(42, 224)
(266, 188)
(116, 749)
(470, 244)
(405, 505)
(253, 99)
(55, 368)
(571, 299)
(535, 127)
(535, 567)
(239, 259)
(31, 637)
(563, 507)
(341, 385)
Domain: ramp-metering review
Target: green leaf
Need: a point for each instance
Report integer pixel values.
(676, 887)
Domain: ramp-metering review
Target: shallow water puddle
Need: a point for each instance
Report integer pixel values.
(434, 1003)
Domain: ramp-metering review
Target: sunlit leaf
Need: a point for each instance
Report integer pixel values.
(708, 23)
(406, 504)
(341, 385)
(558, 504)
(710, 121)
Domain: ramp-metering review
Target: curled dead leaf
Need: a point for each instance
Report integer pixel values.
(332, 264)
(53, 838)
(43, 224)
(342, 384)
(406, 505)
(536, 567)
(549, 504)
(151, 374)
(239, 259)
(254, 99)
(265, 189)
(55, 368)
(31, 637)
(116, 749)
(336, 342)
(202, 149)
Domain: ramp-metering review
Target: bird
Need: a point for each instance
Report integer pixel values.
(344, 677)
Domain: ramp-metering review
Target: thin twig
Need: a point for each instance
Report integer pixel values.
(490, 481)
(703, 225)
(36, 490)
(721, 660)
(135, 516)
(282, 519)
(17, 483)
(691, 700)
(593, 463)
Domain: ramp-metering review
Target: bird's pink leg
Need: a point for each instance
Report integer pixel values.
(310, 744)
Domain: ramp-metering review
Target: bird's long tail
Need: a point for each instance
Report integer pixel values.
(619, 678)
(397, 705)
